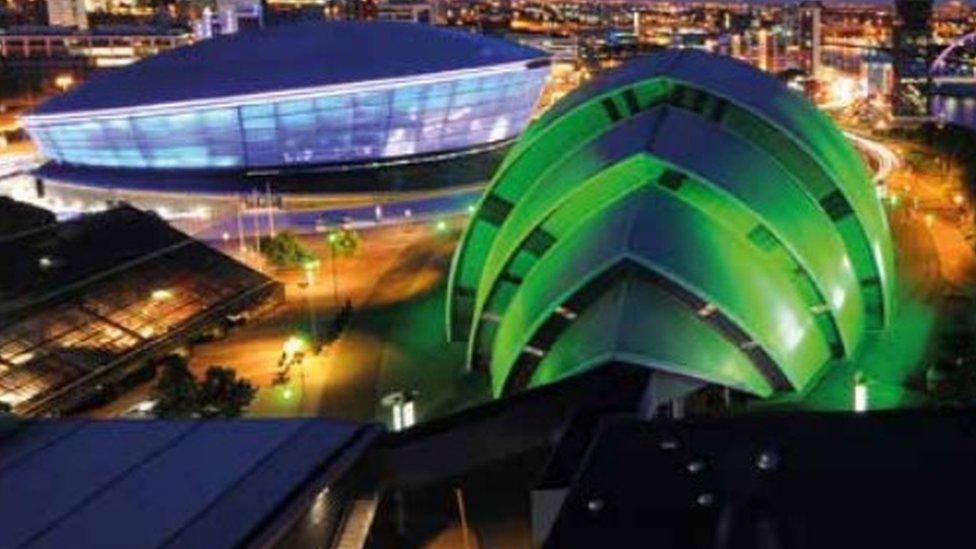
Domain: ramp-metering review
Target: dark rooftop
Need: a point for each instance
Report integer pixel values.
(161, 484)
(289, 56)
(16, 217)
(82, 296)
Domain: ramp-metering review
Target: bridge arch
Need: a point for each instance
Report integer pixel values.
(940, 60)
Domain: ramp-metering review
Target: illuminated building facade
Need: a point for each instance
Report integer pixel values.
(50, 49)
(407, 11)
(810, 36)
(67, 13)
(229, 17)
(877, 72)
(296, 97)
(686, 213)
(911, 48)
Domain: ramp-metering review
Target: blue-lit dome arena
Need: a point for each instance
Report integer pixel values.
(314, 98)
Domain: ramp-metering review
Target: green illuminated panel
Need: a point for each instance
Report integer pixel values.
(635, 313)
(736, 217)
(642, 226)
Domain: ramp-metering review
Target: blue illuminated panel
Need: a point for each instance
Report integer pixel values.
(413, 119)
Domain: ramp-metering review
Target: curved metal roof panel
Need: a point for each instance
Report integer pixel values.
(644, 226)
(691, 174)
(765, 97)
(286, 57)
(635, 312)
(761, 185)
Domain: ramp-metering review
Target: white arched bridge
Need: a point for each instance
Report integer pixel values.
(946, 68)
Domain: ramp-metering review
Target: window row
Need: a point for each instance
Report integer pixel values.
(374, 125)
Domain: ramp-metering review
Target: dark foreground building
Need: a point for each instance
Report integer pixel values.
(166, 484)
(567, 465)
(87, 302)
(17, 217)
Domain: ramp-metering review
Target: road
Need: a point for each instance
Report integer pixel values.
(429, 206)
(931, 216)
(886, 160)
(395, 267)
(942, 205)
(339, 382)
(930, 219)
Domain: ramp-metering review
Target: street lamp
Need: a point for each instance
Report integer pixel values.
(310, 267)
(292, 345)
(402, 408)
(860, 393)
(64, 81)
(333, 242)
(343, 241)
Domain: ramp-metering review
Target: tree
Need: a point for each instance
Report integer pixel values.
(176, 393)
(285, 250)
(343, 242)
(223, 395)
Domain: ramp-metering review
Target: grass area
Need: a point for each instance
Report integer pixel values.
(402, 342)
(418, 357)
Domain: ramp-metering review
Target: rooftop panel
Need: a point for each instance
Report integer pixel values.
(287, 57)
(156, 483)
(79, 295)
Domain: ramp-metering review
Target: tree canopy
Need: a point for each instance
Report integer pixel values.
(221, 394)
(176, 393)
(344, 242)
(285, 250)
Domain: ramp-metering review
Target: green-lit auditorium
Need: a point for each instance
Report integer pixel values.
(685, 213)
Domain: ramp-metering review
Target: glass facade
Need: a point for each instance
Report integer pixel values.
(333, 128)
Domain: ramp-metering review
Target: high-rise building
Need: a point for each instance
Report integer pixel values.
(408, 11)
(230, 17)
(809, 33)
(23, 12)
(771, 48)
(911, 48)
(876, 70)
(67, 13)
(352, 10)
